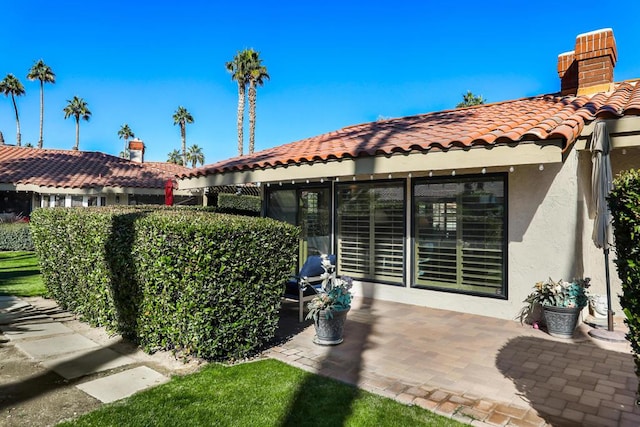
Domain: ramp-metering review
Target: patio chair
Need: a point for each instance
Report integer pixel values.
(309, 282)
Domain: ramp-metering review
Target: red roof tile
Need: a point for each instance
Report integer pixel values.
(542, 117)
(79, 169)
(168, 167)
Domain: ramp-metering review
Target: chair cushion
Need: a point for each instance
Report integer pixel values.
(291, 289)
(313, 266)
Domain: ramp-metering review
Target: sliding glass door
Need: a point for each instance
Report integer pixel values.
(459, 229)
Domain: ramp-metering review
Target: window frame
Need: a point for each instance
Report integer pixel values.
(402, 184)
(298, 189)
(503, 177)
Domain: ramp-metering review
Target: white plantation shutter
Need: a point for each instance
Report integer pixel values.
(459, 235)
(370, 227)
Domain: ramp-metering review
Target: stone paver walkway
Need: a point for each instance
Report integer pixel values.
(104, 367)
(479, 370)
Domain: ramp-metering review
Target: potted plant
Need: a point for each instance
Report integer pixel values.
(561, 303)
(329, 309)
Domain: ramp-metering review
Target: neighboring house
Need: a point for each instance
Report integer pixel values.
(462, 209)
(31, 178)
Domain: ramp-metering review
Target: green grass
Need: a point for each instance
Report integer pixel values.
(20, 274)
(263, 393)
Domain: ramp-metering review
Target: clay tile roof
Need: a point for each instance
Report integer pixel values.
(168, 167)
(79, 169)
(541, 117)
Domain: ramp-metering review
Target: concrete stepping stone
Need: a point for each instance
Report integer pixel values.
(8, 318)
(48, 348)
(13, 304)
(123, 384)
(24, 331)
(87, 362)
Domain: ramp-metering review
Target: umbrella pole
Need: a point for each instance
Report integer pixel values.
(609, 310)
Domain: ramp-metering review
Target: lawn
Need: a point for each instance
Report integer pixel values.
(262, 393)
(20, 274)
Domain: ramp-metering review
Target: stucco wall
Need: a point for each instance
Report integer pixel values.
(592, 257)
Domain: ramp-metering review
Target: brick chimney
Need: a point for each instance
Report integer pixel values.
(589, 68)
(136, 150)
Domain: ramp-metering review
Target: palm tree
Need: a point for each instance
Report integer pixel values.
(238, 69)
(10, 85)
(182, 117)
(41, 71)
(175, 157)
(195, 155)
(125, 154)
(469, 100)
(77, 107)
(257, 74)
(126, 133)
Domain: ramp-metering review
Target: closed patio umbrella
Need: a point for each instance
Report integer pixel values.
(601, 185)
(168, 192)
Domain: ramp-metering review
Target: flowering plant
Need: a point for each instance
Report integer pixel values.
(561, 293)
(337, 294)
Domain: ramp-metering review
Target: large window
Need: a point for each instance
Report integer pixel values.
(309, 208)
(371, 230)
(459, 229)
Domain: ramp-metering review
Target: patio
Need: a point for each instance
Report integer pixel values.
(479, 370)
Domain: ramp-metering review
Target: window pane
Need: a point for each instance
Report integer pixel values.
(310, 209)
(315, 220)
(371, 231)
(76, 201)
(459, 234)
(283, 206)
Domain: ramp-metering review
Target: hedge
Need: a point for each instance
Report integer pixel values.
(249, 205)
(624, 204)
(15, 237)
(199, 283)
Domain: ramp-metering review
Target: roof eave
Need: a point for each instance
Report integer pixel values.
(475, 158)
(623, 132)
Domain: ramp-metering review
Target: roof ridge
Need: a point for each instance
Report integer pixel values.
(452, 110)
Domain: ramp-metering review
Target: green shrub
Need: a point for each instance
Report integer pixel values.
(15, 236)
(200, 283)
(232, 203)
(624, 203)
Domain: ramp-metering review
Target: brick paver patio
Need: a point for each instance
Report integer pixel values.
(479, 370)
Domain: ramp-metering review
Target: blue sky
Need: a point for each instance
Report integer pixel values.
(332, 63)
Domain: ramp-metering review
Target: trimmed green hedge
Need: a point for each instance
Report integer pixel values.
(624, 204)
(204, 284)
(241, 203)
(15, 236)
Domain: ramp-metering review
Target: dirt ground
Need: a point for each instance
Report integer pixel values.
(30, 395)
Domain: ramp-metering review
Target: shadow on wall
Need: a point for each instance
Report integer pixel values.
(574, 382)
